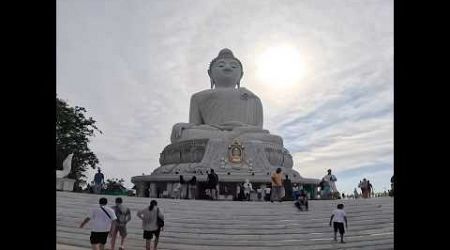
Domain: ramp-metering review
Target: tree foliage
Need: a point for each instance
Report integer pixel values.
(73, 130)
(113, 184)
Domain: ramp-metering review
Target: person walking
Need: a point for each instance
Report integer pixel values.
(99, 181)
(193, 187)
(295, 191)
(150, 217)
(247, 189)
(338, 218)
(277, 185)
(102, 218)
(287, 184)
(123, 215)
(212, 182)
(267, 193)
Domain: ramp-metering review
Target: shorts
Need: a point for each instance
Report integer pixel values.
(340, 226)
(148, 235)
(122, 230)
(99, 237)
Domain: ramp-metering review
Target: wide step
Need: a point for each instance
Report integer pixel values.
(214, 225)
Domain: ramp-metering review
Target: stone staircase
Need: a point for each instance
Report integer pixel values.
(234, 225)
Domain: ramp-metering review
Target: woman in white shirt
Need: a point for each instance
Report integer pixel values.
(247, 189)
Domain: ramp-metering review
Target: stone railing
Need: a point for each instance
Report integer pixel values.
(190, 151)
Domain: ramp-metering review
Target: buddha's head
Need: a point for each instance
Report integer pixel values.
(225, 70)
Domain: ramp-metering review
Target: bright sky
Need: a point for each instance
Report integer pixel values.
(323, 70)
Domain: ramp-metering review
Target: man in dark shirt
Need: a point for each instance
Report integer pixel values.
(99, 180)
(212, 181)
(391, 193)
(288, 189)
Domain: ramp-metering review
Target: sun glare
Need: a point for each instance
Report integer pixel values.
(280, 66)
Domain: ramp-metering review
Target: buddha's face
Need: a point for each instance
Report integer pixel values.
(226, 73)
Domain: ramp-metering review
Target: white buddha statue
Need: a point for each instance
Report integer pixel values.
(226, 110)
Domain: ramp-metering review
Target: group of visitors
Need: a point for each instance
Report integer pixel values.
(244, 190)
(287, 189)
(185, 189)
(280, 189)
(110, 221)
(366, 188)
(327, 186)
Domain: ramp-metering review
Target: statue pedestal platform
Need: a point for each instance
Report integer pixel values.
(64, 184)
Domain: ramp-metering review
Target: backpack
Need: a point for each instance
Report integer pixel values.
(159, 221)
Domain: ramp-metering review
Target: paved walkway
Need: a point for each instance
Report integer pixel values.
(220, 225)
(68, 247)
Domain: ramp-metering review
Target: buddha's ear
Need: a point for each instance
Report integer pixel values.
(239, 81)
(211, 79)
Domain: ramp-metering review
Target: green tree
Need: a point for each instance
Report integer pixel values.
(115, 186)
(73, 131)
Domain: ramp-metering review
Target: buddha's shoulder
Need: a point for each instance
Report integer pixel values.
(247, 91)
(205, 92)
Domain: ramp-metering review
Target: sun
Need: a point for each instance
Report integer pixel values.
(281, 66)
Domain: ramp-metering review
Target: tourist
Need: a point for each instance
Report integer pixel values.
(355, 193)
(158, 191)
(267, 190)
(102, 218)
(364, 188)
(149, 217)
(193, 187)
(391, 192)
(277, 186)
(123, 215)
(287, 184)
(302, 201)
(241, 194)
(369, 189)
(177, 191)
(99, 181)
(295, 191)
(183, 188)
(338, 217)
(343, 196)
(331, 179)
(212, 182)
(326, 191)
(259, 193)
(247, 189)
(238, 191)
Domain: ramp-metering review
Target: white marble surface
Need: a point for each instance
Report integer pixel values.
(198, 224)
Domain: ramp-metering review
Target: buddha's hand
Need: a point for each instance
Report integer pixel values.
(229, 126)
(178, 128)
(234, 124)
